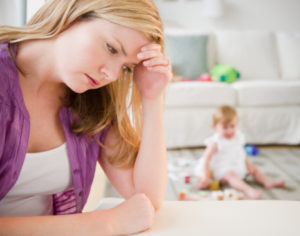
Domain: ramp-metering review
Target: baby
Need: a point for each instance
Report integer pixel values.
(225, 157)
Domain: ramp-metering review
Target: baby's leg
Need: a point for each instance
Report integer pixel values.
(263, 179)
(237, 183)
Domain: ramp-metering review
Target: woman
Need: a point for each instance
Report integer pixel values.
(64, 101)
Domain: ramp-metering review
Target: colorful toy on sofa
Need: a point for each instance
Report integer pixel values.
(204, 77)
(224, 73)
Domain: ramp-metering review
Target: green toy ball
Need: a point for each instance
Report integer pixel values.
(224, 73)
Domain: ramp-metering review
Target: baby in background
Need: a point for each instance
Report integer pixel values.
(225, 157)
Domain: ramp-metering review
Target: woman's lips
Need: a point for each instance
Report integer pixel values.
(92, 81)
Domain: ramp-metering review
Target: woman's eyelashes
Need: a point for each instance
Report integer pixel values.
(127, 69)
(111, 49)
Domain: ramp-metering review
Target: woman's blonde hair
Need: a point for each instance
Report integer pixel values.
(110, 105)
(224, 115)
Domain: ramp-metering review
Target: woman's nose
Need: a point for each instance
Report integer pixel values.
(112, 73)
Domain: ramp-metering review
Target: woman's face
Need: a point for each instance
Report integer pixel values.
(91, 54)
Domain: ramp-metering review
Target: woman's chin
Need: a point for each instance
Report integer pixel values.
(78, 89)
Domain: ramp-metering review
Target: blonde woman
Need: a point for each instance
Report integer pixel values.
(69, 80)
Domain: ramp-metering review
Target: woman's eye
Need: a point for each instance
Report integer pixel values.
(127, 69)
(111, 49)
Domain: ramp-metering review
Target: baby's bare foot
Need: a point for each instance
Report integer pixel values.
(274, 183)
(253, 194)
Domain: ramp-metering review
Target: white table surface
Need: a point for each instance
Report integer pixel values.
(221, 218)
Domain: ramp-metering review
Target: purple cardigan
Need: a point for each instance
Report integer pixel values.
(14, 135)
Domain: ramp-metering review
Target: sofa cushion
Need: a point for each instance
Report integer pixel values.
(187, 53)
(267, 93)
(194, 94)
(252, 53)
(289, 54)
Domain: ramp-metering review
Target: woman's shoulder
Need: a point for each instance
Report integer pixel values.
(8, 71)
(4, 52)
(4, 65)
(3, 46)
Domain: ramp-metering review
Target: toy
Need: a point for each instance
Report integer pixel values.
(187, 179)
(251, 150)
(224, 73)
(182, 196)
(231, 194)
(186, 80)
(193, 197)
(203, 194)
(217, 195)
(205, 77)
(214, 185)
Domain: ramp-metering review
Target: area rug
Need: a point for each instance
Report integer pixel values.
(280, 163)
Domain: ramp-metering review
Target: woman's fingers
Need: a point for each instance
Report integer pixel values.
(150, 51)
(152, 46)
(153, 59)
(149, 54)
(162, 61)
(160, 69)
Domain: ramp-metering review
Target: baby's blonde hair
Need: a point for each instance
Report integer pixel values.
(224, 115)
(109, 105)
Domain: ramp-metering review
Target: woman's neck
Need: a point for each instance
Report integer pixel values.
(36, 60)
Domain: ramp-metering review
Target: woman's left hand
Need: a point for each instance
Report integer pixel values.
(153, 73)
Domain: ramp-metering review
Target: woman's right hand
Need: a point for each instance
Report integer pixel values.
(203, 182)
(134, 215)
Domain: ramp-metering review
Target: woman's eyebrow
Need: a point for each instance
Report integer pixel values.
(122, 48)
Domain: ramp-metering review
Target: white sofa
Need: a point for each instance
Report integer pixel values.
(267, 96)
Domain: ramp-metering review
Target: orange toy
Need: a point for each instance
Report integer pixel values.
(182, 196)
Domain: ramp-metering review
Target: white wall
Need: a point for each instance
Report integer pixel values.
(18, 12)
(12, 12)
(238, 14)
(33, 6)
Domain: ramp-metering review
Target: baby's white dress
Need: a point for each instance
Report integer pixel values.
(230, 156)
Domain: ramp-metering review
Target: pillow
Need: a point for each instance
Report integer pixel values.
(187, 53)
(289, 54)
(252, 53)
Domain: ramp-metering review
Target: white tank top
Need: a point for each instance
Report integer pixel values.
(42, 174)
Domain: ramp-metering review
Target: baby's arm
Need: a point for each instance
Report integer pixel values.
(204, 179)
(208, 153)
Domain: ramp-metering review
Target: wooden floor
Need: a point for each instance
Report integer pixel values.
(277, 162)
